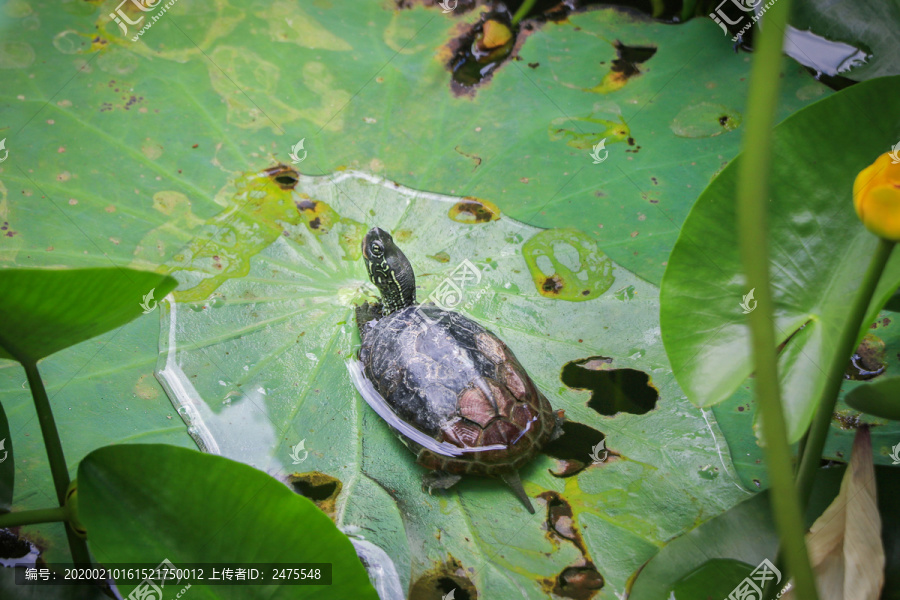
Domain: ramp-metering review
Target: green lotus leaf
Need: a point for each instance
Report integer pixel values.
(819, 251)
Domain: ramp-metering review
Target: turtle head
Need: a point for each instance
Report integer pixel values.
(389, 270)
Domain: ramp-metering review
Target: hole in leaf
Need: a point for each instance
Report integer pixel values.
(11, 546)
(578, 582)
(478, 52)
(443, 579)
(15, 550)
(613, 390)
(286, 177)
(322, 489)
(630, 57)
(560, 520)
(576, 449)
(868, 362)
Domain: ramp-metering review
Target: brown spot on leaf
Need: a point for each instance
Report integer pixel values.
(552, 284)
(473, 210)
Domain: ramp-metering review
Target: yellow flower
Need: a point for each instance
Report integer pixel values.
(876, 197)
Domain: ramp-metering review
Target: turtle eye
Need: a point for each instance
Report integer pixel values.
(377, 249)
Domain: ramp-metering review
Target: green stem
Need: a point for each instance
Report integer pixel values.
(688, 8)
(48, 429)
(30, 517)
(55, 456)
(523, 11)
(834, 377)
(813, 441)
(752, 206)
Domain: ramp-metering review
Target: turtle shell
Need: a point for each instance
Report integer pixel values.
(458, 383)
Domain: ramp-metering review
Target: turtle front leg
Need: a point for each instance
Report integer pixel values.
(365, 313)
(559, 421)
(441, 480)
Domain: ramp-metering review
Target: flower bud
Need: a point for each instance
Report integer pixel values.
(876, 196)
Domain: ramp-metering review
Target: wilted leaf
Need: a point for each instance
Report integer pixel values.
(844, 544)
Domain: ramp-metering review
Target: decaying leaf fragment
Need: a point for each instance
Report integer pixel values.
(844, 543)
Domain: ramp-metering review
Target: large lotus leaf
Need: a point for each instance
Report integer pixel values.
(206, 506)
(818, 252)
(219, 85)
(259, 367)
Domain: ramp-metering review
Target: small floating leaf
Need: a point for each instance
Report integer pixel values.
(567, 264)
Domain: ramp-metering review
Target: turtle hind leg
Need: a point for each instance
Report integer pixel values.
(439, 479)
(515, 483)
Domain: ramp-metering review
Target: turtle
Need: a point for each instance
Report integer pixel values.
(451, 390)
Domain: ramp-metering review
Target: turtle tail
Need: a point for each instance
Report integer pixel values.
(515, 483)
